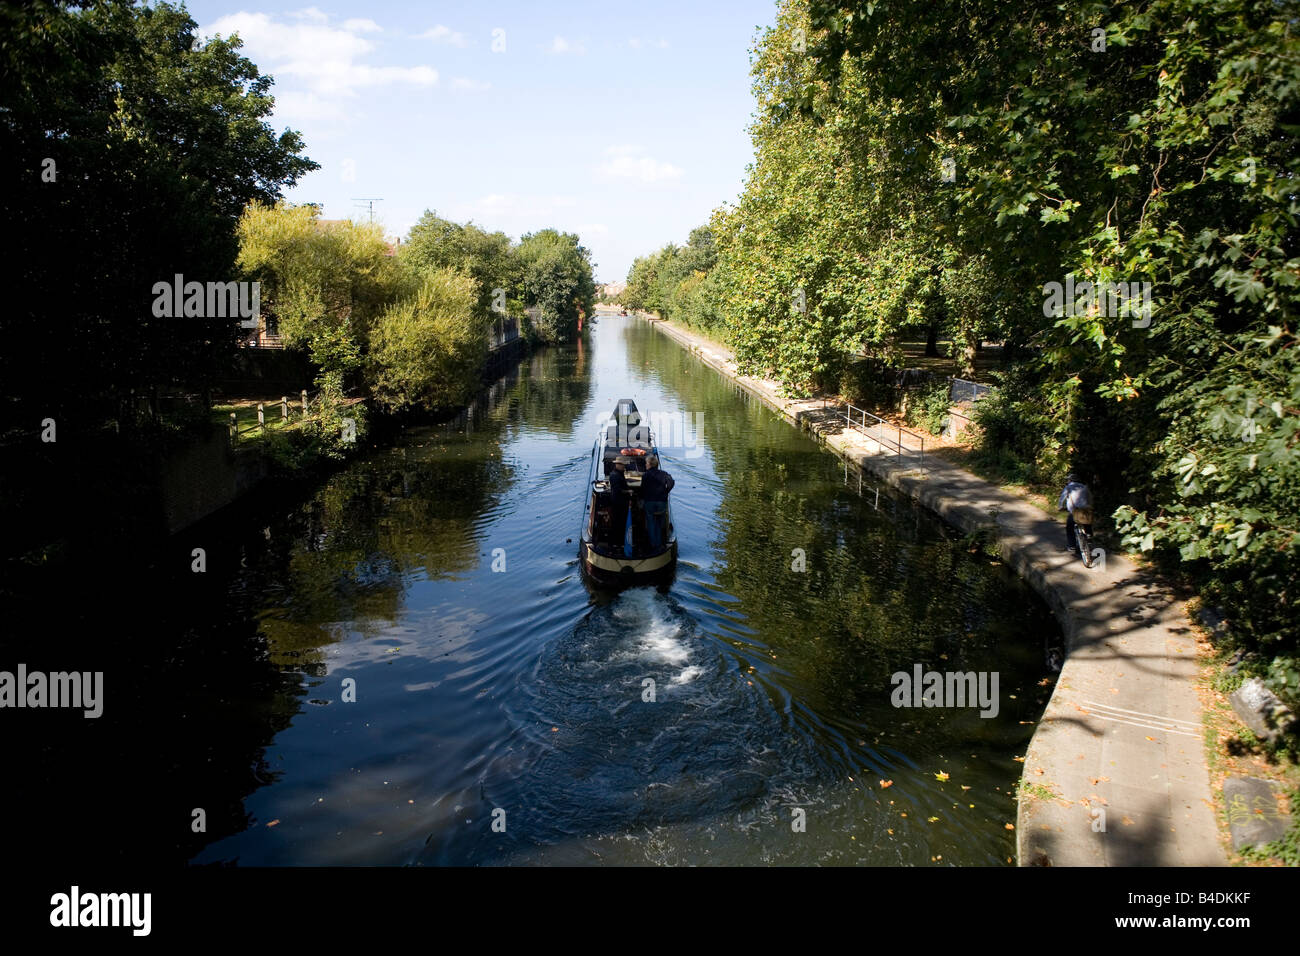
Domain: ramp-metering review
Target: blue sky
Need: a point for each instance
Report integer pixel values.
(625, 123)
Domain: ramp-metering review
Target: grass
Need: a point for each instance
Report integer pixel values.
(988, 360)
(246, 416)
(1036, 790)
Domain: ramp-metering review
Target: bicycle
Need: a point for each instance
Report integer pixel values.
(1083, 534)
(1077, 500)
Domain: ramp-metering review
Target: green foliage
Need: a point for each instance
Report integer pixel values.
(488, 258)
(1287, 847)
(678, 283)
(865, 383)
(156, 148)
(1021, 428)
(1232, 519)
(928, 407)
(429, 348)
(944, 162)
(324, 285)
(558, 281)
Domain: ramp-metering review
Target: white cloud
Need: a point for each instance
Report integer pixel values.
(561, 46)
(661, 44)
(511, 211)
(634, 43)
(443, 34)
(314, 14)
(321, 58)
(625, 163)
(304, 107)
(468, 85)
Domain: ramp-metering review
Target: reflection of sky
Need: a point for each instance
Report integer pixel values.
(442, 633)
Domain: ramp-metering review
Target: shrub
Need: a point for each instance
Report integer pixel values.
(928, 407)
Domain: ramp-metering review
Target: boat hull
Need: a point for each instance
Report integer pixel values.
(619, 571)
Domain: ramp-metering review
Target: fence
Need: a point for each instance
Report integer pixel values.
(504, 331)
(878, 430)
(303, 402)
(964, 391)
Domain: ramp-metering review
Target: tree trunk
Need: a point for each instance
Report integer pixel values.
(932, 340)
(970, 346)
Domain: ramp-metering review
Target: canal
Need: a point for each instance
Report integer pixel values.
(405, 665)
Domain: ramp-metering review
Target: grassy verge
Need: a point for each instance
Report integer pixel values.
(246, 417)
(1231, 749)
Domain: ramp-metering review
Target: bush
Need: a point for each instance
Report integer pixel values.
(428, 349)
(1019, 435)
(928, 407)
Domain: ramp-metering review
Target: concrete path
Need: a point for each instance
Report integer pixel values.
(1120, 745)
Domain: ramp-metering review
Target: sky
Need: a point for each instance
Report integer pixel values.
(626, 123)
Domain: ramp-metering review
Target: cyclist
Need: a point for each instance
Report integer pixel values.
(1077, 499)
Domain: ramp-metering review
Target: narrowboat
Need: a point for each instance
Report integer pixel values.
(617, 548)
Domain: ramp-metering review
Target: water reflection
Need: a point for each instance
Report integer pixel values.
(377, 669)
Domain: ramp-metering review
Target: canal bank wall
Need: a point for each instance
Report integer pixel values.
(1115, 772)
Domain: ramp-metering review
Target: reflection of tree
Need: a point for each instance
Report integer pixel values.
(882, 591)
(554, 387)
(409, 511)
(190, 704)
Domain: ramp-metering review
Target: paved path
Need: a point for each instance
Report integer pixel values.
(1121, 743)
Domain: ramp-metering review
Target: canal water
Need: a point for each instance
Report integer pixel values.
(406, 665)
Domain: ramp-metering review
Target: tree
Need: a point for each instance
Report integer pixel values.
(488, 258)
(129, 153)
(325, 286)
(1152, 145)
(429, 347)
(558, 280)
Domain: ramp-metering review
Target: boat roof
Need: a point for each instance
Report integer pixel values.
(626, 430)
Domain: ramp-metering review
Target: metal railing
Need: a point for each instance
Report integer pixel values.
(504, 331)
(964, 391)
(878, 430)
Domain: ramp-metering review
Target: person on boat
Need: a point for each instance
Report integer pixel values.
(618, 509)
(655, 485)
(1077, 499)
